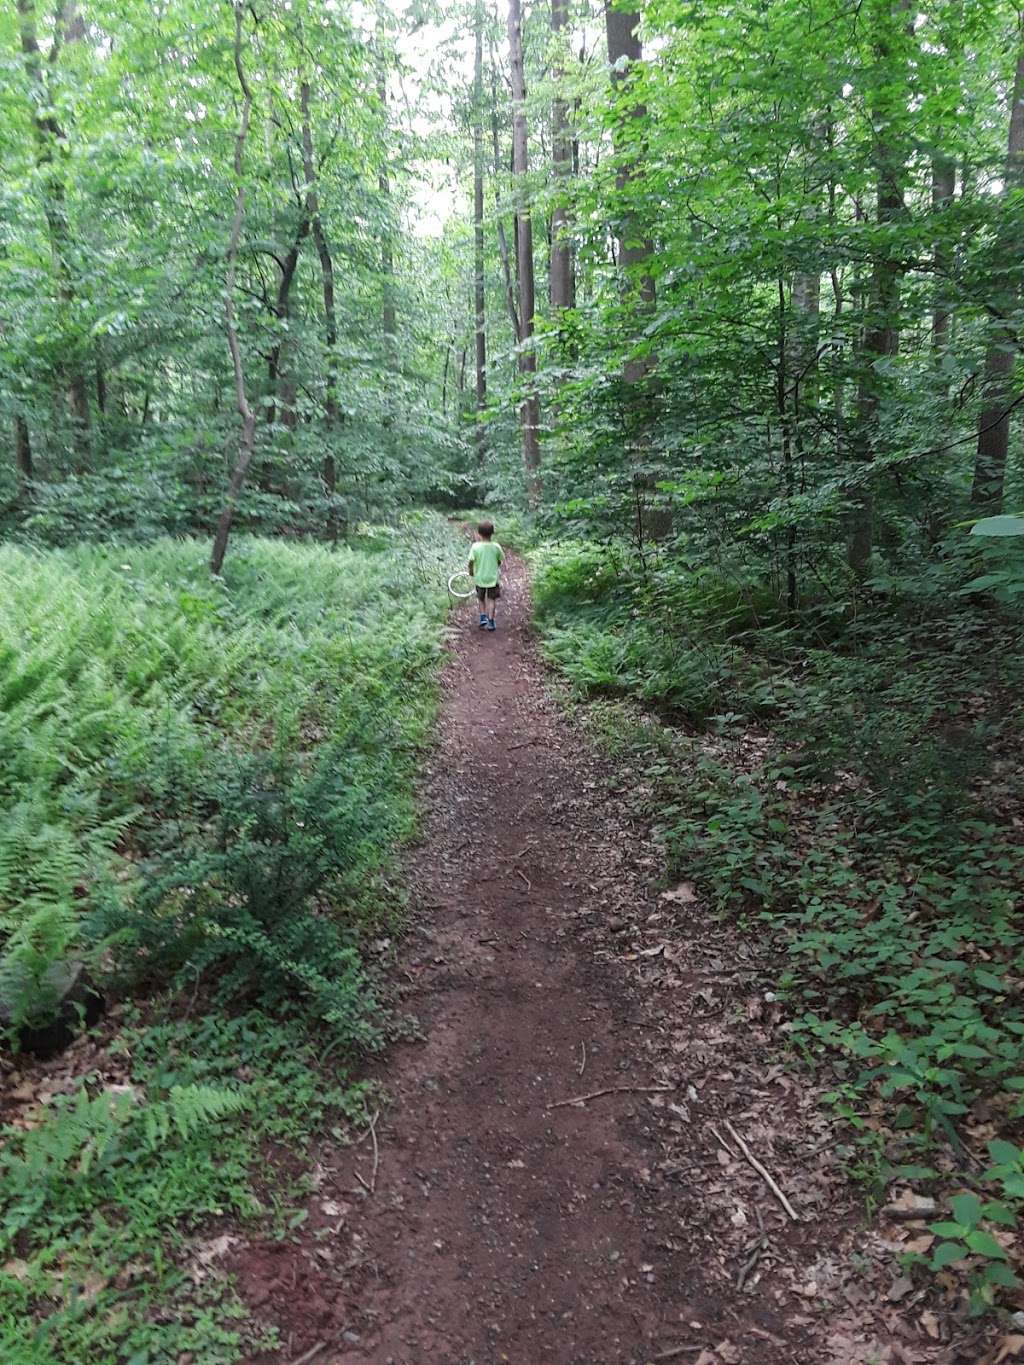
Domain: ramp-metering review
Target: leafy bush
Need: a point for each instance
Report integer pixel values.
(874, 832)
(209, 775)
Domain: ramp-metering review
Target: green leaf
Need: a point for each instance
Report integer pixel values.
(947, 1253)
(998, 1272)
(966, 1209)
(985, 1244)
(1004, 1153)
(999, 1213)
(947, 1229)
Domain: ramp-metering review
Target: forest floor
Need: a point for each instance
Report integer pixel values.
(485, 1219)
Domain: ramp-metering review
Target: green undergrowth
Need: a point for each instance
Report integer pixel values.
(850, 782)
(113, 1206)
(202, 784)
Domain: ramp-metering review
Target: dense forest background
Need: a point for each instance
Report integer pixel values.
(716, 309)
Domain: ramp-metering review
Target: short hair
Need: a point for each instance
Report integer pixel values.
(486, 529)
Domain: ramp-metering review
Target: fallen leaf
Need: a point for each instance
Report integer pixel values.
(212, 1251)
(930, 1323)
(900, 1288)
(683, 894)
(1009, 1346)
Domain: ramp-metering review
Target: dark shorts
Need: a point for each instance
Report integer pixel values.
(493, 593)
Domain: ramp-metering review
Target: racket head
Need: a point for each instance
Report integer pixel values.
(461, 585)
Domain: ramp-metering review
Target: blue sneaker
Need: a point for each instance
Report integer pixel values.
(490, 623)
(483, 621)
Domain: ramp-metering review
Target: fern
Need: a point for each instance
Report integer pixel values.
(83, 1137)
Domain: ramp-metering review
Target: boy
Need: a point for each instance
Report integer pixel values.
(484, 559)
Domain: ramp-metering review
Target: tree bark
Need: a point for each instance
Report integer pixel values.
(943, 190)
(323, 250)
(529, 408)
(282, 388)
(50, 139)
(634, 248)
(23, 452)
(1004, 347)
(248, 430)
(561, 284)
(881, 328)
(387, 246)
(503, 251)
(479, 301)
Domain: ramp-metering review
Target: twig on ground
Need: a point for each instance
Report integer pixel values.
(758, 1249)
(524, 745)
(614, 1090)
(674, 1351)
(362, 1182)
(376, 1152)
(529, 884)
(583, 1057)
(764, 1173)
(308, 1355)
(722, 1143)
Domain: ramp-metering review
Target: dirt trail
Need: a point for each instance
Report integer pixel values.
(501, 1229)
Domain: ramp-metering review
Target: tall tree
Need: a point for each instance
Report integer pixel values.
(248, 432)
(529, 408)
(561, 279)
(1004, 347)
(51, 150)
(888, 101)
(479, 300)
(326, 258)
(635, 248)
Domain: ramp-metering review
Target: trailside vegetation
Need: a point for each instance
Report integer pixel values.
(204, 781)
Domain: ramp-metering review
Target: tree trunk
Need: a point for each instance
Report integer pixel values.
(634, 249)
(23, 451)
(529, 409)
(50, 140)
(943, 190)
(248, 431)
(387, 246)
(881, 328)
(479, 315)
(561, 285)
(503, 251)
(282, 388)
(323, 251)
(994, 422)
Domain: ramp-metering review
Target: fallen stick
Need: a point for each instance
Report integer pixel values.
(762, 1171)
(674, 1351)
(614, 1090)
(376, 1152)
(583, 1057)
(722, 1143)
(308, 1355)
(529, 884)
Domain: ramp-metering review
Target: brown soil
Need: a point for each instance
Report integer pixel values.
(624, 1229)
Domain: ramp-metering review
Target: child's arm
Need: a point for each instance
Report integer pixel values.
(471, 562)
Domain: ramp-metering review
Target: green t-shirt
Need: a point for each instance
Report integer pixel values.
(485, 556)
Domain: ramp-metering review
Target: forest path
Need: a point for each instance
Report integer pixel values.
(501, 1229)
